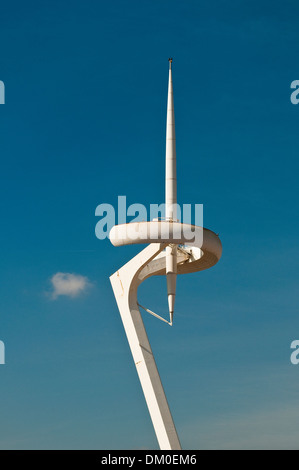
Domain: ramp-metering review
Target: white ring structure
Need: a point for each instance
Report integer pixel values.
(201, 253)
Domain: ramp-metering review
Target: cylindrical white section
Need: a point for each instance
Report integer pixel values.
(171, 272)
(170, 173)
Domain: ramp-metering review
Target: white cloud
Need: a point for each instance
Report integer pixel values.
(70, 285)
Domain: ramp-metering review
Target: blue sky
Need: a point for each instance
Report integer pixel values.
(84, 122)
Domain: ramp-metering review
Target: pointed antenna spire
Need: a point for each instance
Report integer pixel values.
(170, 195)
(171, 181)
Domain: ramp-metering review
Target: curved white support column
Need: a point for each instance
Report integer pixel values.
(125, 283)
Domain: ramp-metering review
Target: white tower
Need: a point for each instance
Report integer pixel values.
(170, 252)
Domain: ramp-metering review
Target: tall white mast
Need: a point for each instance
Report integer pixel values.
(170, 195)
(171, 182)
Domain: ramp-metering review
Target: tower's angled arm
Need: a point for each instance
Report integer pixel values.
(125, 283)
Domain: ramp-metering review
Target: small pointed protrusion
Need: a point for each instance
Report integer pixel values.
(171, 318)
(171, 288)
(171, 299)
